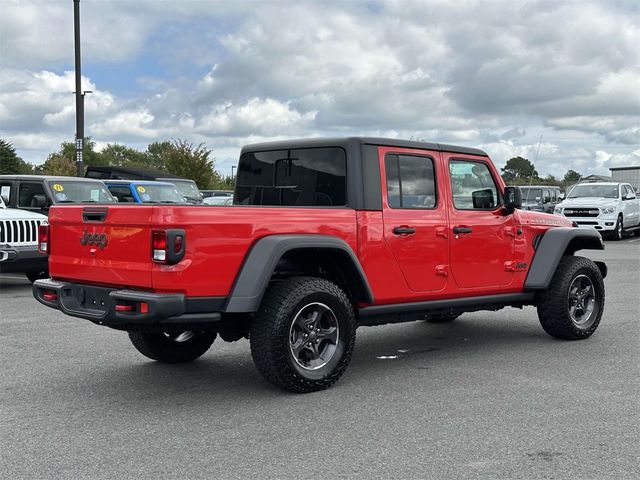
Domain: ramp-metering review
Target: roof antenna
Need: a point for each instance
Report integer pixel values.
(536, 159)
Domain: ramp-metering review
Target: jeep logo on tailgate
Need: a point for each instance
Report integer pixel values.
(97, 239)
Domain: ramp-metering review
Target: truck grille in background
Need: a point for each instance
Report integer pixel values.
(19, 232)
(581, 212)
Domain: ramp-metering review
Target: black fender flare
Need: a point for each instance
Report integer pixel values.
(261, 261)
(555, 243)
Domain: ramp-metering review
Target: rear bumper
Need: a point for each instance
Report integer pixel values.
(21, 259)
(148, 310)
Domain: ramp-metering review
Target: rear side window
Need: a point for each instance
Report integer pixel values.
(122, 193)
(309, 177)
(410, 181)
(31, 195)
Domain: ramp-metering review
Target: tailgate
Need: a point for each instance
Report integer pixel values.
(108, 245)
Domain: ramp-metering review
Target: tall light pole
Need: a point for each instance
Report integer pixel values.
(79, 92)
(233, 167)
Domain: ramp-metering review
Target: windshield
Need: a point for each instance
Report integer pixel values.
(73, 191)
(600, 191)
(531, 195)
(159, 194)
(188, 189)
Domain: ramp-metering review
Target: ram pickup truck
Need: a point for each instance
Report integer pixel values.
(608, 207)
(325, 235)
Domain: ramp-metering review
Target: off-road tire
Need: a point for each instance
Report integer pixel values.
(272, 331)
(636, 232)
(618, 232)
(441, 317)
(33, 276)
(168, 349)
(554, 304)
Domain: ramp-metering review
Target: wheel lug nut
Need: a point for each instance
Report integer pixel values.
(305, 335)
(317, 340)
(309, 344)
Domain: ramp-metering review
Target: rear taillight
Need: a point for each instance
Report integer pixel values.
(168, 246)
(43, 239)
(159, 246)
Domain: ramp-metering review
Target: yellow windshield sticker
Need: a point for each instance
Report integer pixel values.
(141, 189)
(57, 187)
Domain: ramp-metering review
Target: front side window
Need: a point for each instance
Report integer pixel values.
(306, 177)
(410, 181)
(472, 186)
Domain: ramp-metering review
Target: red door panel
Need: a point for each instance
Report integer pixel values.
(481, 236)
(415, 220)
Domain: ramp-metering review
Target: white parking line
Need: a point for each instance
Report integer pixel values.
(12, 277)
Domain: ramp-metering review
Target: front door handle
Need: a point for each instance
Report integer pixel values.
(404, 230)
(462, 230)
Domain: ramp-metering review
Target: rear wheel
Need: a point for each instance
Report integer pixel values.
(303, 335)
(572, 306)
(177, 347)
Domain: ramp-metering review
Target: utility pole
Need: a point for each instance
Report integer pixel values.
(79, 93)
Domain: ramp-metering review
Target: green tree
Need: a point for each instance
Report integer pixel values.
(57, 164)
(550, 180)
(186, 160)
(224, 183)
(518, 169)
(10, 162)
(121, 155)
(89, 154)
(571, 177)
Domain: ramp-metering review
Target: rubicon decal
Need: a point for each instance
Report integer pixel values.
(96, 239)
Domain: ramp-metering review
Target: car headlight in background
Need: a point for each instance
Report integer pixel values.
(608, 210)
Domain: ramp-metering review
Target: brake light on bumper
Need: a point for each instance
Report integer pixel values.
(43, 239)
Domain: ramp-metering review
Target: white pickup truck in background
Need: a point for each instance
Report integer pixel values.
(611, 208)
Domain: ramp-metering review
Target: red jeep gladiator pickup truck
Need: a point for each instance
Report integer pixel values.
(325, 235)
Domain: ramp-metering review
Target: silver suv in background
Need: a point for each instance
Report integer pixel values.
(540, 198)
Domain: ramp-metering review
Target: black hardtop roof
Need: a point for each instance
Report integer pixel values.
(345, 141)
(147, 172)
(60, 178)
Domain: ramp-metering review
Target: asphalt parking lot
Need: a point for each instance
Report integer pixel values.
(488, 396)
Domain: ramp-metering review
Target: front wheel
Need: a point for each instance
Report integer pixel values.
(618, 233)
(572, 305)
(303, 335)
(178, 347)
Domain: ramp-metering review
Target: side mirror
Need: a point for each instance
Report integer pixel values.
(483, 199)
(5, 199)
(630, 196)
(512, 198)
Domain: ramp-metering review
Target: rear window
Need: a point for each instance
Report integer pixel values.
(70, 191)
(305, 177)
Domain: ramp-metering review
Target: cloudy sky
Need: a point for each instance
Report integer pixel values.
(490, 74)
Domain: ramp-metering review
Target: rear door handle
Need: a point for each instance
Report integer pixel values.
(462, 230)
(404, 230)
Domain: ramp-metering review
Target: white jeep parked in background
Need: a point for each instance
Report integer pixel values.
(19, 243)
(611, 208)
